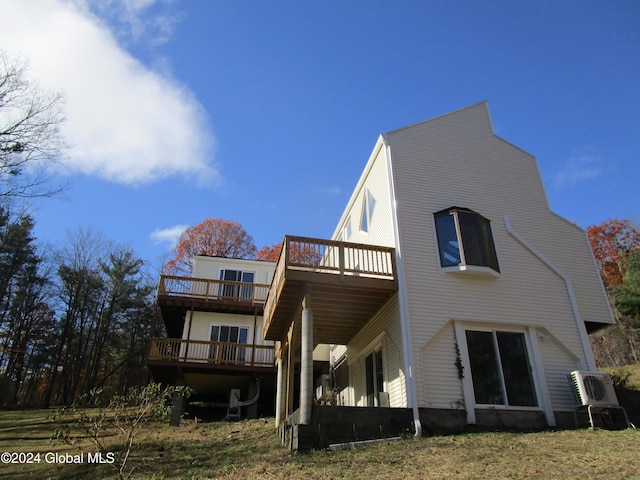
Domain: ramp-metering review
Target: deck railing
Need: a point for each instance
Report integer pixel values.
(207, 289)
(330, 256)
(220, 353)
(344, 258)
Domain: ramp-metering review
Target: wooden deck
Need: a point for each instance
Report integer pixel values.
(175, 351)
(346, 282)
(176, 295)
(174, 289)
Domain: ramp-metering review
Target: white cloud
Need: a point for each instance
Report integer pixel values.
(138, 20)
(124, 122)
(577, 169)
(168, 236)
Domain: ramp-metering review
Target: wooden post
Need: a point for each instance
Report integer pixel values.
(186, 347)
(179, 404)
(255, 327)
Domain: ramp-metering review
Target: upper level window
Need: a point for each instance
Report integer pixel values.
(228, 289)
(347, 229)
(465, 239)
(368, 203)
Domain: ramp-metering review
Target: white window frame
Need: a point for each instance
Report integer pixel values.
(538, 376)
(347, 230)
(378, 344)
(242, 274)
(240, 352)
(463, 266)
(368, 206)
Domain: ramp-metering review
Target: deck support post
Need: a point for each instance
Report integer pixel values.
(306, 363)
(281, 385)
(179, 404)
(288, 391)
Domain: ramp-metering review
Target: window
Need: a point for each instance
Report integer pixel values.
(368, 204)
(236, 291)
(228, 351)
(500, 368)
(465, 239)
(375, 378)
(347, 229)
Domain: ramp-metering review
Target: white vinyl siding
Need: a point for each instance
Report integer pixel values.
(557, 362)
(442, 386)
(373, 185)
(567, 246)
(383, 329)
(210, 268)
(457, 160)
(202, 322)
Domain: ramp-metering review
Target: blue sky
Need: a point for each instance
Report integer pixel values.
(265, 112)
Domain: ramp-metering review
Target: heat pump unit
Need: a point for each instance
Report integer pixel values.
(593, 388)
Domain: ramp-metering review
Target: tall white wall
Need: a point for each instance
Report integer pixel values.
(456, 160)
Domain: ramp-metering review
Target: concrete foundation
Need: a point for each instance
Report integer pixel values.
(332, 425)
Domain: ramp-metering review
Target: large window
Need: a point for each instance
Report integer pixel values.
(465, 239)
(500, 368)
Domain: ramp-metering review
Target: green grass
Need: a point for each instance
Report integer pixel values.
(250, 449)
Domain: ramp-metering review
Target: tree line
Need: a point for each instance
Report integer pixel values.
(81, 316)
(616, 247)
(71, 319)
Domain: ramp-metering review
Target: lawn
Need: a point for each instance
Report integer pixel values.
(250, 449)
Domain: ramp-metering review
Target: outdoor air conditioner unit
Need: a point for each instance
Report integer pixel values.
(593, 388)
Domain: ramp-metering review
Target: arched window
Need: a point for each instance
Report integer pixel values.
(465, 239)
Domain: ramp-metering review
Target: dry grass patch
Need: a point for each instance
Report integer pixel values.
(250, 449)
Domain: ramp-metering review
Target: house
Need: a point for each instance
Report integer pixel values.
(214, 343)
(450, 296)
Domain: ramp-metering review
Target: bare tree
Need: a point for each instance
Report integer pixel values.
(30, 138)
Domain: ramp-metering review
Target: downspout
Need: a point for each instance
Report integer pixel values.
(582, 329)
(412, 398)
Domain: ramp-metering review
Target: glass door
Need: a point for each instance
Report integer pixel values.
(375, 377)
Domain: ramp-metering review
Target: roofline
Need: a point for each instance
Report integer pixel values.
(483, 102)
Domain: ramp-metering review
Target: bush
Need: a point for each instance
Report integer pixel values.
(121, 417)
(620, 378)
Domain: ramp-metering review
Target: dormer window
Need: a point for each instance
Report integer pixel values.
(465, 241)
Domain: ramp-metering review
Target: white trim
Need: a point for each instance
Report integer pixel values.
(467, 384)
(540, 377)
(378, 343)
(582, 329)
(379, 346)
(403, 301)
(360, 184)
(474, 270)
(463, 267)
(534, 356)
